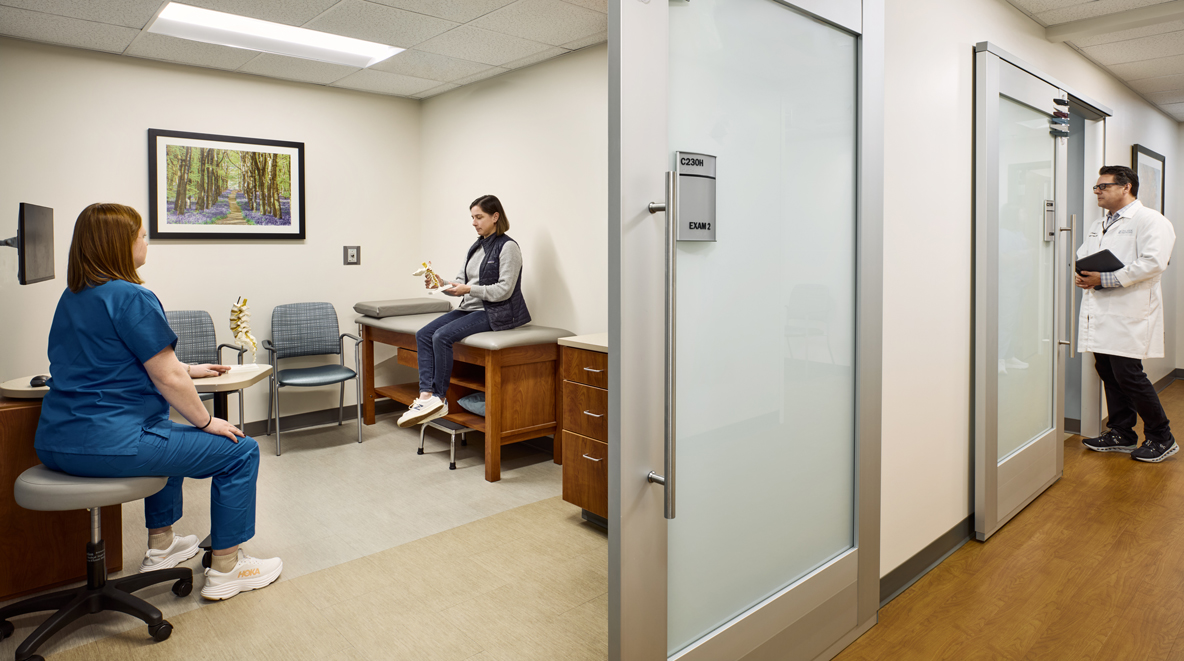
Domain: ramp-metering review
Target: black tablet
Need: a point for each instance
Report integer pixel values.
(1102, 261)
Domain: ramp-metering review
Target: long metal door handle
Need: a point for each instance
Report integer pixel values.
(1072, 230)
(671, 209)
(594, 415)
(594, 458)
(589, 369)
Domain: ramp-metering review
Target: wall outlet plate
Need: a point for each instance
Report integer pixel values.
(351, 255)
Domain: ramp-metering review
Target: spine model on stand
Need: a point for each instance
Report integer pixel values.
(432, 280)
(240, 325)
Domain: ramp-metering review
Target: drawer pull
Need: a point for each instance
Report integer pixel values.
(594, 458)
(593, 414)
(589, 369)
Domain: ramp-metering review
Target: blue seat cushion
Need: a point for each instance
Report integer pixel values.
(321, 375)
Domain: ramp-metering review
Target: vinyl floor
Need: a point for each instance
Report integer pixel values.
(387, 555)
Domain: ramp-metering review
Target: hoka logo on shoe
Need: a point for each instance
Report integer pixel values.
(248, 572)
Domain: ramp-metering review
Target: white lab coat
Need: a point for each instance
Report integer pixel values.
(1128, 320)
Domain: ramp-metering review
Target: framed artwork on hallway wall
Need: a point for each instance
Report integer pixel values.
(203, 186)
(1150, 168)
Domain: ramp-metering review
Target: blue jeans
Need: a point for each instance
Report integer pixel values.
(435, 341)
(185, 452)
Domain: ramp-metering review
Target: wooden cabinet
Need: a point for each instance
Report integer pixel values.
(584, 430)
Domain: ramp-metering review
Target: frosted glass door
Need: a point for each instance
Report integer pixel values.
(766, 380)
(1027, 346)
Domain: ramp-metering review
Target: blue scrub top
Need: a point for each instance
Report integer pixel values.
(101, 399)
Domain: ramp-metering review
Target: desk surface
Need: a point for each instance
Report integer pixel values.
(594, 342)
(20, 389)
(238, 378)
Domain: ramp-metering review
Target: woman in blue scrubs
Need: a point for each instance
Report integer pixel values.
(107, 410)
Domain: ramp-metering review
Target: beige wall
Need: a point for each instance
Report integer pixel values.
(74, 127)
(928, 204)
(537, 138)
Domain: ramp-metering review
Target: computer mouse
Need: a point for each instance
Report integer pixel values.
(38, 381)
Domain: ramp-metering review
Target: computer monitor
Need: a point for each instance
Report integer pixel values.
(34, 244)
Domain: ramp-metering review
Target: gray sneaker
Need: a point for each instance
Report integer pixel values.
(1155, 451)
(1111, 441)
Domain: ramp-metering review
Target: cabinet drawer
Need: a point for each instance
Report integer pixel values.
(582, 366)
(585, 410)
(585, 473)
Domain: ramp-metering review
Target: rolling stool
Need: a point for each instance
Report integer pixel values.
(50, 491)
(448, 427)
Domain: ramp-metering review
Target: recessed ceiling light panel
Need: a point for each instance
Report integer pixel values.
(215, 27)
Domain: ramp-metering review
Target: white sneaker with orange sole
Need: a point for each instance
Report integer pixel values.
(248, 574)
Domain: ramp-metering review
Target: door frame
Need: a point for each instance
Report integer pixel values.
(638, 51)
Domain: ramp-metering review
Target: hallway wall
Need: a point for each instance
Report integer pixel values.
(929, 120)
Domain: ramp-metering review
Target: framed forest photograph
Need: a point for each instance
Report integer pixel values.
(1150, 168)
(203, 186)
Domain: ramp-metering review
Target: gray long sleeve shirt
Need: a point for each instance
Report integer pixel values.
(507, 276)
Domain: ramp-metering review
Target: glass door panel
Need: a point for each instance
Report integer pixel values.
(766, 314)
(1027, 345)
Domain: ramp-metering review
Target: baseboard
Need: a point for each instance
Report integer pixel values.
(1167, 380)
(317, 418)
(910, 571)
(1072, 426)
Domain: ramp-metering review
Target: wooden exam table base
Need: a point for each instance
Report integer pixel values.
(520, 385)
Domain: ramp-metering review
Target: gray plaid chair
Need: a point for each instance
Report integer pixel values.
(195, 344)
(309, 329)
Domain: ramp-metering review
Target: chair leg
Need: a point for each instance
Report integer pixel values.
(241, 422)
(270, 397)
(463, 440)
(422, 430)
(135, 582)
(76, 608)
(46, 602)
(341, 406)
(276, 395)
(118, 600)
(358, 390)
(452, 453)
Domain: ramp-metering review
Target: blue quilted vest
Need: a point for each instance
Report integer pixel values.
(512, 312)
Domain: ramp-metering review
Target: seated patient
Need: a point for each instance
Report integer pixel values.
(107, 410)
(491, 284)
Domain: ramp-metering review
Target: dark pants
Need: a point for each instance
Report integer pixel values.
(435, 341)
(1129, 391)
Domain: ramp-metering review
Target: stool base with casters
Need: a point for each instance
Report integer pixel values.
(98, 594)
(448, 427)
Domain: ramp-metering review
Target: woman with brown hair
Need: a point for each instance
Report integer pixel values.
(491, 286)
(107, 410)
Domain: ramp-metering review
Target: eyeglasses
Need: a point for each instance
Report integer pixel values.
(1099, 187)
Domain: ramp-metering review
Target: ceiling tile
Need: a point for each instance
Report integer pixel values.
(1092, 9)
(1038, 6)
(172, 49)
(595, 5)
(461, 11)
(1135, 50)
(1160, 84)
(1163, 66)
(1164, 99)
(477, 45)
(1123, 35)
(386, 83)
(65, 31)
(537, 57)
(379, 23)
(548, 21)
(295, 68)
(488, 73)
(288, 12)
(422, 64)
(598, 38)
(128, 13)
(436, 90)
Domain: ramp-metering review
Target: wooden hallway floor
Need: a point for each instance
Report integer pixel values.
(1092, 569)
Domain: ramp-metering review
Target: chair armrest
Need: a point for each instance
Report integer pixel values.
(341, 346)
(232, 347)
(268, 346)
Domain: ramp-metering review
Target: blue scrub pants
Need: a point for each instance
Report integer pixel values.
(185, 452)
(435, 341)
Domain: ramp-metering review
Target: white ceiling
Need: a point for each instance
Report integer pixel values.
(1141, 42)
(449, 42)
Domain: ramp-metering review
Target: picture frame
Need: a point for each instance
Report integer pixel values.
(235, 188)
(1150, 167)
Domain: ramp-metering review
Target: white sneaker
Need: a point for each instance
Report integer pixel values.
(248, 574)
(423, 410)
(182, 549)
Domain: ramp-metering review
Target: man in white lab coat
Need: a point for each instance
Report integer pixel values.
(1122, 314)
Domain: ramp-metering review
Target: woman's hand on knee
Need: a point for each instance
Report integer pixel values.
(220, 427)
